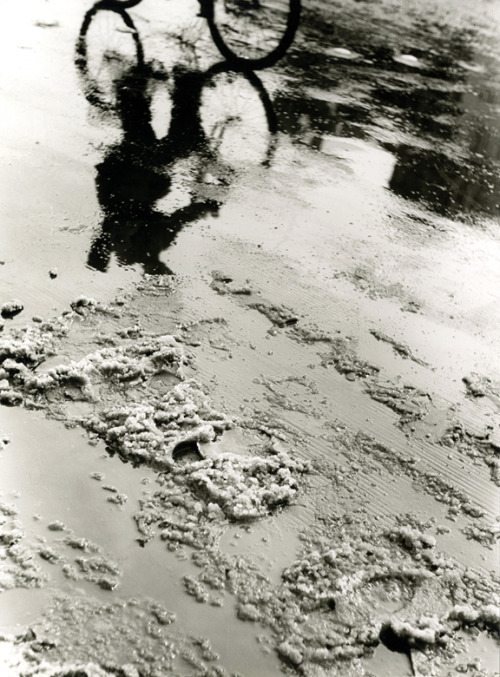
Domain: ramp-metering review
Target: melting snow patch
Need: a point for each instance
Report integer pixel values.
(11, 309)
(18, 569)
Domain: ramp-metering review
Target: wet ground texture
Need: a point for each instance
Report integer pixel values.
(249, 377)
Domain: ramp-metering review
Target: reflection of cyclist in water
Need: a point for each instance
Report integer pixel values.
(132, 177)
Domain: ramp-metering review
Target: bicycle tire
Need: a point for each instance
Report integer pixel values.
(253, 34)
(96, 90)
(238, 118)
(124, 4)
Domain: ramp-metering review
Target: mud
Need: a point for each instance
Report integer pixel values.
(201, 490)
(19, 568)
(475, 446)
(400, 348)
(248, 346)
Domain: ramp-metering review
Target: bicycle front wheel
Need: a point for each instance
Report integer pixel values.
(253, 34)
(238, 118)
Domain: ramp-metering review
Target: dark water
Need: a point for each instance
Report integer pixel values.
(425, 91)
(434, 105)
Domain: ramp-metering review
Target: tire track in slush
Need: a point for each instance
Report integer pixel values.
(385, 430)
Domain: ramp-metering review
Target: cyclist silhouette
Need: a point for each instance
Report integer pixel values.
(133, 175)
(221, 122)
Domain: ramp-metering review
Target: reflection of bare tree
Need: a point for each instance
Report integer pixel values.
(446, 184)
(308, 119)
(461, 170)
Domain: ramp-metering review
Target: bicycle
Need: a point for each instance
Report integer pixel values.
(250, 34)
(221, 122)
(233, 106)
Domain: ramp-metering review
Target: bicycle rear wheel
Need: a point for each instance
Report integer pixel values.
(124, 4)
(108, 47)
(253, 34)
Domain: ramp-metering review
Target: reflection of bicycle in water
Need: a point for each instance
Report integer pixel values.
(249, 34)
(221, 122)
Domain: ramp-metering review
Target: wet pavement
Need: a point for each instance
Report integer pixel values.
(249, 373)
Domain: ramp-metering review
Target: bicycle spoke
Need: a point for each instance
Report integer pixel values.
(236, 121)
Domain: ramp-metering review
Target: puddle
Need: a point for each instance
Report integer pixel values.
(447, 185)
(236, 641)
(385, 662)
(307, 119)
(350, 167)
(270, 543)
(20, 608)
(51, 470)
(481, 650)
(435, 105)
(55, 472)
